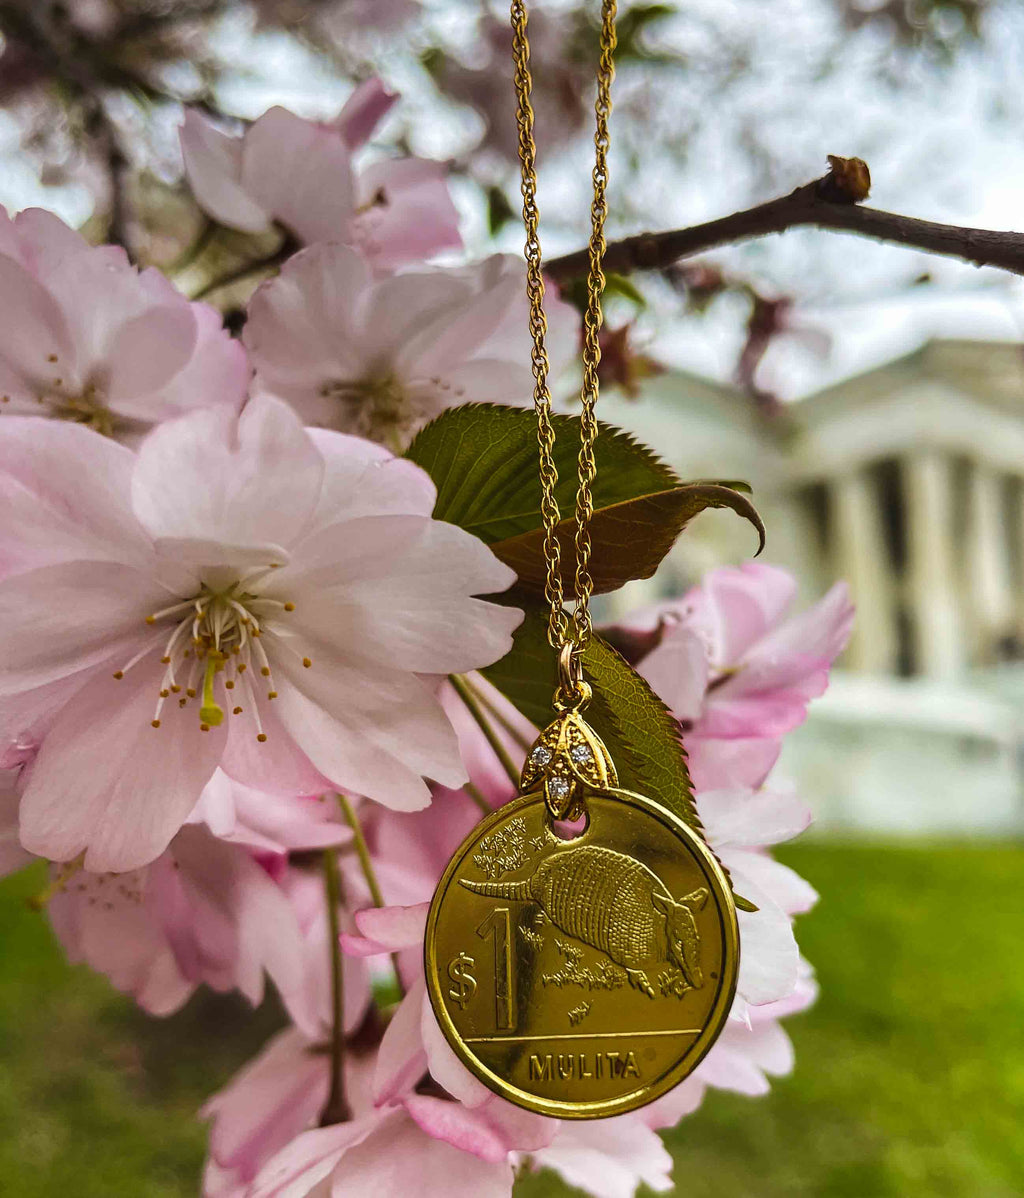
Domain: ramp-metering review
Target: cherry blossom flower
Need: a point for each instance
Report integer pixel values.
(89, 338)
(730, 659)
(207, 910)
(299, 173)
(744, 1057)
(241, 593)
(387, 1153)
(736, 668)
(381, 357)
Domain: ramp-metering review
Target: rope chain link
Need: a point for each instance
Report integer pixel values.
(565, 633)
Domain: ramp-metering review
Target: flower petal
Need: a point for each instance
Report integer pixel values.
(297, 1168)
(37, 344)
(372, 733)
(445, 1067)
(609, 1158)
(277, 1096)
(416, 217)
(393, 928)
(61, 619)
(301, 172)
(106, 782)
(239, 479)
(742, 817)
(66, 494)
(398, 1159)
(147, 352)
(365, 108)
(213, 164)
(401, 1058)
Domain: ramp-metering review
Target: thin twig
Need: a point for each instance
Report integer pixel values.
(245, 269)
(336, 1109)
(813, 204)
(478, 714)
(188, 256)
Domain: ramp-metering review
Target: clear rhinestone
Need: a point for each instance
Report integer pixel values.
(541, 755)
(558, 787)
(581, 754)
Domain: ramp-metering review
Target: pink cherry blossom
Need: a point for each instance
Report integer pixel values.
(744, 1057)
(89, 338)
(299, 173)
(208, 909)
(381, 357)
(736, 667)
(608, 1158)
(385, 1153)
(241, 593)
(733, 662)
(739, 825)
(272, 1100)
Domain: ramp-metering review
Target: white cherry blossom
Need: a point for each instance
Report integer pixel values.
(241, 593)
(382, 356)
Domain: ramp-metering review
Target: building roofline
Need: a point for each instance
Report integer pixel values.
(936, 359)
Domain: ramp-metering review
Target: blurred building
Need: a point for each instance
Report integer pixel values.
(908, 481)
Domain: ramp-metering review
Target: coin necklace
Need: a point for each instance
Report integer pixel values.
(578, 976)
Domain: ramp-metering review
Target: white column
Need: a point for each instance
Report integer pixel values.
(932, 569)
(861, 558)
(987, 556)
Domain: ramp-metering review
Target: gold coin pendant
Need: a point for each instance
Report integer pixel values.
(582, 977)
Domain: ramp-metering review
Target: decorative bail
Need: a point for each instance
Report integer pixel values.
(566, 756)
(573, 693)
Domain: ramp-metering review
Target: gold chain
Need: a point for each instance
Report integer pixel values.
(568, 635)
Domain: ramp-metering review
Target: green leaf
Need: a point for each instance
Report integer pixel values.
(629, 539)
(483, 460)
(623, 285)
(499, 210)
(638, 729)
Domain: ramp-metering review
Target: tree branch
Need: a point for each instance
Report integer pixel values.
(827, 203)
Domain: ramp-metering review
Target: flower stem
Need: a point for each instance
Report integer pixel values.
(465, 693)
(336, 1109)
(477, 797)
(362, 852)
(500, 716)
(366, 864)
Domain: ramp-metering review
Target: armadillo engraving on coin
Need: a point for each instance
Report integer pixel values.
(582, 978)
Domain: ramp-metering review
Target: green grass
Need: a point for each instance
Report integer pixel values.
(909, 1079)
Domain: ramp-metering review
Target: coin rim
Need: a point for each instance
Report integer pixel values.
(712, 1028)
